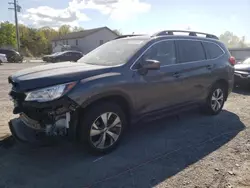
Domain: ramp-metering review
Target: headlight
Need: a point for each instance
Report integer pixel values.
(49, 93)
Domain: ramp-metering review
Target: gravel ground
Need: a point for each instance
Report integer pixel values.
(192, 150)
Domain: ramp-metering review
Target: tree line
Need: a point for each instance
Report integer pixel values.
(33, 41)
(233, 41)
(37, 41)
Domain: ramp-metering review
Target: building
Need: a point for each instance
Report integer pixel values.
(240, 54)
(84, 41)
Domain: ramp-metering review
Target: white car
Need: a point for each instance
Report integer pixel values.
(3, 58)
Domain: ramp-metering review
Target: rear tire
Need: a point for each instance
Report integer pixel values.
(102, 127)
(215, 100)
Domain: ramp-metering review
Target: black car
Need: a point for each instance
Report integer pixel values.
(122, 82)
(63, 56)
(242, 73)
(12, 55)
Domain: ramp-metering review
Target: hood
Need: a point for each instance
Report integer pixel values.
(52, 74)
(51, 55)
(242, 67)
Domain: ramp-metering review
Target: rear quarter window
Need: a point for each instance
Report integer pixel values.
(190, 51)
(213, 50)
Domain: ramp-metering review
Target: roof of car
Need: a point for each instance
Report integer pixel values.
(174, 34)
(7, 49)
(148, 37)
(186, 37)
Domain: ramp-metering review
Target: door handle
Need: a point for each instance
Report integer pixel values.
(176, 75)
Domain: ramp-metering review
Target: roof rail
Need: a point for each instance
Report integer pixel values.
(191, 33)
(124, 36)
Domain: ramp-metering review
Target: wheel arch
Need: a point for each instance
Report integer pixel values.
(117, 97)
(224, 83)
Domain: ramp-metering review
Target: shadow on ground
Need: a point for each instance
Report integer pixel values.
(243, 90)
(7, 142)
(150, 154)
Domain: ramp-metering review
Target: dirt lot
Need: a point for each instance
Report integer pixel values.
(190, 151)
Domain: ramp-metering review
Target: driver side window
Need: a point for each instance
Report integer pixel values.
(164, 52)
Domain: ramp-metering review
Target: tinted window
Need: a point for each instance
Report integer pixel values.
(76, 54)
(63, 54)
(164, 52)
(213, 50)
(190, 51)
(3, 51)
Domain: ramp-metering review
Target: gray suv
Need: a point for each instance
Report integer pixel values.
(126, 80)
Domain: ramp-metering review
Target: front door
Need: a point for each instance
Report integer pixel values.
(158, 89)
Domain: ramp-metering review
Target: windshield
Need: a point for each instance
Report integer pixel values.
(57, 53)
(115, 52)
(247, 61)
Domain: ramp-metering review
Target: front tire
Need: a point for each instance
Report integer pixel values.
(102, 127)
(215, 100)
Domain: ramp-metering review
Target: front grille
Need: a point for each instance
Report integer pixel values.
(17, 95)
(18, 99)
(11, 81)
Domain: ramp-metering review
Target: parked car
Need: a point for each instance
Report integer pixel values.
(12, 55)
(63, 56)
(122, 82)
(242, 73)
(3, 58)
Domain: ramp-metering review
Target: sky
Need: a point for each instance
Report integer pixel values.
(138, 16)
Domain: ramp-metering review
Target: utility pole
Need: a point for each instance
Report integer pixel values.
(16, 9)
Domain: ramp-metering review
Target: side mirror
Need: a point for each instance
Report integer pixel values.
(147, 65)
(151, 64)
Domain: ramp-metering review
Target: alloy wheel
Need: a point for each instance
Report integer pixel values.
(105, 130)
(217, 99)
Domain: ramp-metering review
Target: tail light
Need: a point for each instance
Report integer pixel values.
(232, 60)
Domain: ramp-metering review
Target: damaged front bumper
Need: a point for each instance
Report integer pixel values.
(23, 133)
(39, 122)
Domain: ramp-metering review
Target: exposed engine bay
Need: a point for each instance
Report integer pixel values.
(59, 127)
(49, 119)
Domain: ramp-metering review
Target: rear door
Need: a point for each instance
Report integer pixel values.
(196, 69)
(215, 57)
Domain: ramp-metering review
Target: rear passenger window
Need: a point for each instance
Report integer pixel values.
(213, 50)
(190, 51)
